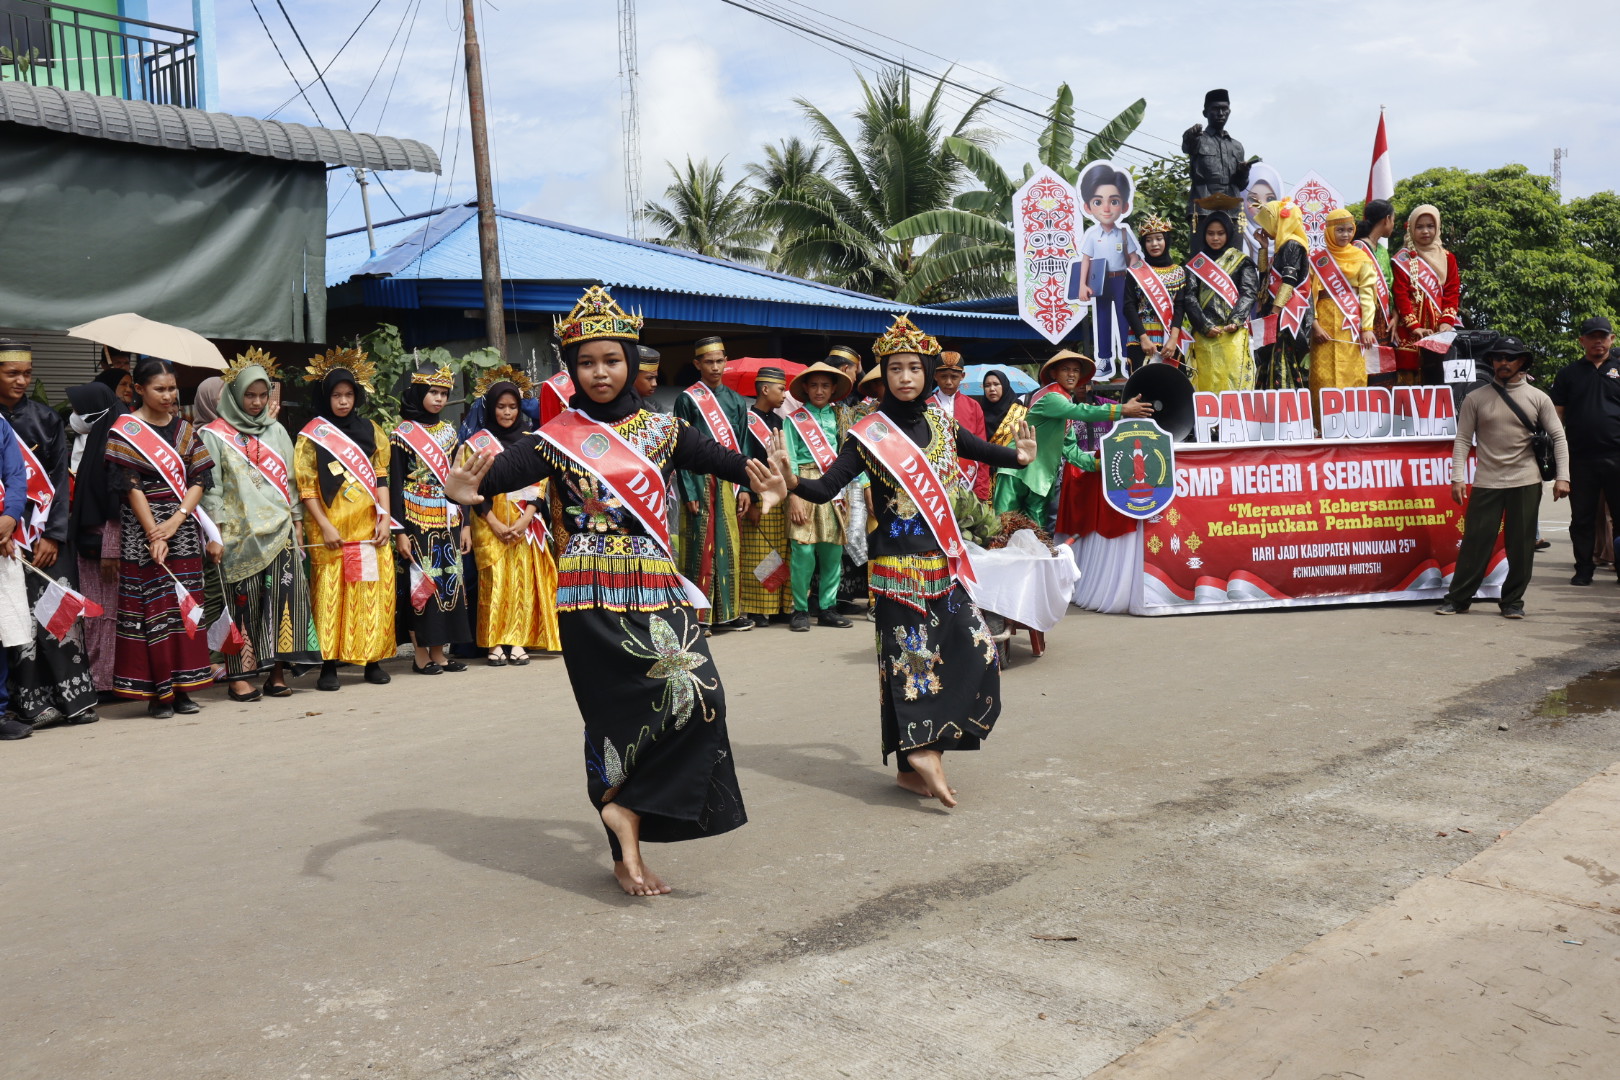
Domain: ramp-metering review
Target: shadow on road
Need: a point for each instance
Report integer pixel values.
(832, 767)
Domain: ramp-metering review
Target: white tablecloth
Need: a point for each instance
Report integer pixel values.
(1023, 581)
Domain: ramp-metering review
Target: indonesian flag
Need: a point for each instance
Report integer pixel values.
(1381, 180)
(191, 612)
(60, 606)
(1263, 332)
(773, 571)
(359, 562)
(422, 588)
(224, 637)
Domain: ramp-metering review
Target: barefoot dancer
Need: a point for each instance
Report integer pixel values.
(658, 764)
(941, 689)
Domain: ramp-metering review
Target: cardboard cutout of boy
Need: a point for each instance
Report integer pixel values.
(1107, 251)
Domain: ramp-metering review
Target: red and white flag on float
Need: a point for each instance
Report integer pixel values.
(359, 561)
(59, 607)
(422, 588)
(1381, 180)
(224, 637)
(191, 612)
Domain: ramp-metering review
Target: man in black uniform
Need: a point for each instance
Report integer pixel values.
(1587, 394)
(50, 679)
(1215, 159)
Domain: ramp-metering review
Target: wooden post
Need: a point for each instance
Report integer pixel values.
(489, 252)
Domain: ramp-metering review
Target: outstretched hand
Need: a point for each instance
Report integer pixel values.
(1024, 442)
(779, 459)
(768, 484)
(1137, 409)
(462, 484)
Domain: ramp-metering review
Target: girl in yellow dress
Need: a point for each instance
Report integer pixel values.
(1219, 358)
(352, 587)
(517, 577)
(1336, 357)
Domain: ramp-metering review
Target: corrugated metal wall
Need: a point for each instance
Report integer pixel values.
(59, 361)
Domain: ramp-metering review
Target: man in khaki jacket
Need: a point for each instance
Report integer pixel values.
(1507, 480)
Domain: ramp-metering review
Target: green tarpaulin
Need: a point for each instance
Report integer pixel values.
(228, 245)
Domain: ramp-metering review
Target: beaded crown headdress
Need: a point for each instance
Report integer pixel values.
(598, 316)
(434, 377)
(1154, 224)
(353, 359)
(504, 373)
(905, 337)
(254, 357)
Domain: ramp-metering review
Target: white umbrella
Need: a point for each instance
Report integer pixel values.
(132, 333)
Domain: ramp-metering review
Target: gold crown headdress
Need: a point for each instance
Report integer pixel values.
(353, 359)
(435, 377)
(904, 337)
(1154, 224)
(504, 373)
(596, 316)
(254, 357)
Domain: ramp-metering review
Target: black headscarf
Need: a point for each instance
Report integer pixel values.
(410, 405)
(111, 378)
(1224, 218)
(354, 425)
(1163, 259)
(996, 411)
(94, 501)
(910, 417)
(613, 411)
(492, 398)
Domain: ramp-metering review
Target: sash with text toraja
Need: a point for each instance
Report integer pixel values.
(349, 455)
(903, 460)
(253, 449)
(484, 443)
(165, 460)
(1338, 287)
(636, 482)
(760, 430)
(1292, 315)
(1422, 275)
(1380, 286)
(1208, 271)
(1152, 286)
(713, 416)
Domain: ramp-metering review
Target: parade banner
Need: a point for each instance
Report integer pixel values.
(1044, 212)
(1286, 526)
(1361, 412)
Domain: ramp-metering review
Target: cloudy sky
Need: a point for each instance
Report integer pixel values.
(1469, 83)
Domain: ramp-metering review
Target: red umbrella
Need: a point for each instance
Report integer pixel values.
(740, 373)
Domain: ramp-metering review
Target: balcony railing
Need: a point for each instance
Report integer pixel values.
(76, 49)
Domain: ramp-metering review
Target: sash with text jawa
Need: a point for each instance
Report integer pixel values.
(623, 470)
(1422, 275)
(1380, 286)
(1152, 286)
(41, 492)
(909, 467)
(1338, 287)
(1208, 271)
(165, 460)
(485, 444)
(713, 416)
(350, 456)
(266, 461)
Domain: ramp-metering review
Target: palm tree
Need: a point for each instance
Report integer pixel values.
(975, 249)
(704, 215)
(787, 173)
(894, 167)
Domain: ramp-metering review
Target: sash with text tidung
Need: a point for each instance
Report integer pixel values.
(349, 455)
(1152, 286)
(1208, 271)
(485, 444)
(165, 460)
(909, 467)
(713, 416)
(1338, 287)
(256, 453)
(1380, 286)
(623, 470)
(1422, 275)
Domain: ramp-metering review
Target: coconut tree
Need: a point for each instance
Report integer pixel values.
(787, 173)
(701, 213)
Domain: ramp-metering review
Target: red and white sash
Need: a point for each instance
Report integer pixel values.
(1049, 388)
(324, 434)
(561, 387)
(1208, 271)
(1152, 286)
(484, 443)
(426, 449)
(1292, 315)
(165, 461)
(714, 417)
(1339, 290)
(1380, 286)
(814, 439)
(636, 482)
(759, 429)
(1422, 275)
(41, 492)
(911, 470)
(258, 454)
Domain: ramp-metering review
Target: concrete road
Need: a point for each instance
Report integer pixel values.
(408, 882)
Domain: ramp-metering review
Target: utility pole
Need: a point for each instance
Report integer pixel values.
(365, 204)
(631, 118)
(489, 251)
(1559, 154)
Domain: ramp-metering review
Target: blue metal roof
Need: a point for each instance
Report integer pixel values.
(431, 260)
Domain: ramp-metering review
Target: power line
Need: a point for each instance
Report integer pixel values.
(275, 45)
(330, 62)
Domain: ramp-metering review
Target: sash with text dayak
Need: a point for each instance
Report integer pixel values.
(1380, 286)
(1152, 286)
(485, 444)
(1422, 275)
(349, 455)
(165, 461)
(264, 460)
(1208, 271)
(623, 470)
(431, 454)
(1338, 287)
(908, 465)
